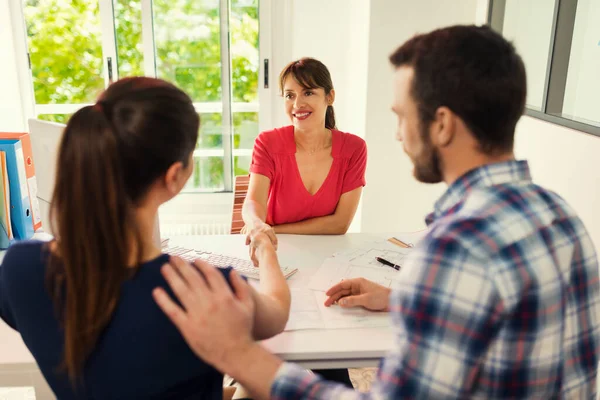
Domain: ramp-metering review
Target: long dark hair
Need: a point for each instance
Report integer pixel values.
(109, 155)
(311, 74)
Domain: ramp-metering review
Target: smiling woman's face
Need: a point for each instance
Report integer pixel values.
(306, 108)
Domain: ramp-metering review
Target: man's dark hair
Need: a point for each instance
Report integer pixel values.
(474, 72)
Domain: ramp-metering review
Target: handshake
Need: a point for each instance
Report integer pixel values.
(259, 237)
(357, 292)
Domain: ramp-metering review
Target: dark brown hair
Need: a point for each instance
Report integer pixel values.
(311, 74)
(474, 72)
(109, 155)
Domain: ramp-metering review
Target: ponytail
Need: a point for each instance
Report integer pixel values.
(330, 118)
(93, 219)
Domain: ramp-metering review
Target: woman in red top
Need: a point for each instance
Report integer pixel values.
(306, 178)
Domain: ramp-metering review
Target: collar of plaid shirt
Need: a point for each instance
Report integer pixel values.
(488, 175)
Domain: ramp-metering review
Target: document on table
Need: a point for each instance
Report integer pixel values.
(304, 311)
(336, 317)
(360, 262)
(309, 312)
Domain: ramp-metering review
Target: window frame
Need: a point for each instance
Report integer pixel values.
(563, 24)
(109, 49)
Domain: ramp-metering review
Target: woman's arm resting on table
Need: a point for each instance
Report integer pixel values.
(334, 224)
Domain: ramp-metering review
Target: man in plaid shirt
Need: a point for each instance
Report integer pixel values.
(501, 299)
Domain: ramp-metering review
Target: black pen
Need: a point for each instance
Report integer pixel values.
(389, 264)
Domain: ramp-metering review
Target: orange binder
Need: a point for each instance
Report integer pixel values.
(29, 172)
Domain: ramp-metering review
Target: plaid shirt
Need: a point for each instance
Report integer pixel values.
(500, 300)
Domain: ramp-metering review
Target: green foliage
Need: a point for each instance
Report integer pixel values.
(65, 44)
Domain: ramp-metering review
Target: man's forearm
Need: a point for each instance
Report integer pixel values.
(255, 368)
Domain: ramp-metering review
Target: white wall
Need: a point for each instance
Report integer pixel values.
(11, 113)
(337, 35)
(393, 200)
(567, 162)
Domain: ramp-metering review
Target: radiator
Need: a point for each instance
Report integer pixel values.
(177, 228)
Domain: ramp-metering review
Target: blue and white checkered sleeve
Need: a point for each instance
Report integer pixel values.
(294, 382)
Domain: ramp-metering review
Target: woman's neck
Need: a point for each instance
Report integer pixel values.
(145, 217)
(313, 139)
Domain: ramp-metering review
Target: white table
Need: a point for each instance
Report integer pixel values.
(319, 348)
(315, 349)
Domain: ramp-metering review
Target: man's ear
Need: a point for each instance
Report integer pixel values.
(443, 127)
(174, 179)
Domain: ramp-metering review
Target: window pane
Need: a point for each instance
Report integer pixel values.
(187, 40)
(128, 33)
(207, 175)
(242, 165)
(528, 24)
(583, 77)
(188, 53)
(245, 129)
(64, 41)
(210, 136)
(243, 25)
(60, 118)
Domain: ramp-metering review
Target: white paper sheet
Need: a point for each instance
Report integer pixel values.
(336, 317)
(304, 311)
(309, 312)
(357, 263)
(35, 204)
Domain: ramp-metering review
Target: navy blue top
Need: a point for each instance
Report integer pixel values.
(140, 355)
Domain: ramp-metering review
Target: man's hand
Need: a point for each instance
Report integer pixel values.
(255, 237)
(215, 322)
(359, 292)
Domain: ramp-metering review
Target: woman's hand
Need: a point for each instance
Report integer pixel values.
(260, 227)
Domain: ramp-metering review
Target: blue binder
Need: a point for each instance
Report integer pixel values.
(20, 212)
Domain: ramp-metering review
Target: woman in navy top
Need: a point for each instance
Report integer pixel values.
(83, 302)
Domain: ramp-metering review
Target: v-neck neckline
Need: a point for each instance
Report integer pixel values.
(333, 143)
